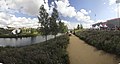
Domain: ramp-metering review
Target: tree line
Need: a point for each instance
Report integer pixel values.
(48, 23)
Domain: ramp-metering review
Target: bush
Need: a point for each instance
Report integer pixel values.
(51, 52)
(108, 41)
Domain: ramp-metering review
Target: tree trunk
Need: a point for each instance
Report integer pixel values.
(46, 38)
(55, 36)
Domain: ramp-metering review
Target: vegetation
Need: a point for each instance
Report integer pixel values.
(6, 33)
(29, 31)
(51, 52)
(79, 26)
(53, 22)
(49, 26)
(49, 23)
(43, 20)
(108, 41)
(62, 27)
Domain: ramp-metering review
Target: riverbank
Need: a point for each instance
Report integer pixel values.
(18, 36)
(51, 52)
(82, 53)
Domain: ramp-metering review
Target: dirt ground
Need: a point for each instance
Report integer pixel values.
(82, 53)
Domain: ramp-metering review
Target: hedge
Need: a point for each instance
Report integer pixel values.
(51, 52)
(108, 41)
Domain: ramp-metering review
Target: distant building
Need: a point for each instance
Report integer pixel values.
(109, 24)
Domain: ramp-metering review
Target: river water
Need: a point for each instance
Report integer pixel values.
(23, 41)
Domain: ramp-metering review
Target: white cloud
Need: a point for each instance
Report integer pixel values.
(17, 22)
(72, 25)
(116, 10)
(3, 6)
(104, 3)
(4, 18)
(82, 16)
(86, 25)
(89, 11)
(84, 11)
(112, 2)
(98, 21)
(91, 22)
(30, 7)
(24, 22)
(68, 24)
(65, 9)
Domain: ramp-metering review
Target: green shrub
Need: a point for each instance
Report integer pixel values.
(50, 52)
(108, 41)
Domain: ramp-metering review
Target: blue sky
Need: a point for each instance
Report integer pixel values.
(72, 12)
(100, 8)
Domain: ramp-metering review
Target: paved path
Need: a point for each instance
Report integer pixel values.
(82, 53)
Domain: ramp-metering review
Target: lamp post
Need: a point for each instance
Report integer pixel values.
(118, 2)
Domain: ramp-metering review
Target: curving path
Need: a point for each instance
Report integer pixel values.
(82, 53)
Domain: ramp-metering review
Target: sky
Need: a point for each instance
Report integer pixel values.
(23, 13)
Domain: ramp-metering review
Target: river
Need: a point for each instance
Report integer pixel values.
(23, 41)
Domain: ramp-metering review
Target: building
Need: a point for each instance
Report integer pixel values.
(111, 24)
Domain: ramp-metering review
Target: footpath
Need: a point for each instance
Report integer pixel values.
(82, 53)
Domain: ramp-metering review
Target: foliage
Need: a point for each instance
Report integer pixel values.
(4, 31)
(53, 22)
(43, 20)
(49, 24)
(108, 41)
(62, 27)
(51, 52)
(79, 26)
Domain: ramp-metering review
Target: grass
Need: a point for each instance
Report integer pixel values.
(51, 52)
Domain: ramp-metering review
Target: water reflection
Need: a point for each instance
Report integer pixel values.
(23, 41)
(33, 39)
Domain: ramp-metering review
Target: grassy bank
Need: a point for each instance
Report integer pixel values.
(51, 52)
(17, 36)
(108, 41)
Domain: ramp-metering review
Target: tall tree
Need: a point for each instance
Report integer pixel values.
(81, 26)
(43, 20)
(78, 26)
(53, 22)
(62, 27)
